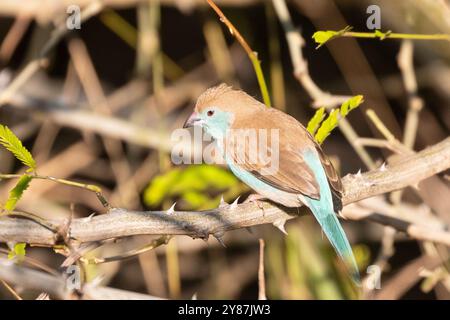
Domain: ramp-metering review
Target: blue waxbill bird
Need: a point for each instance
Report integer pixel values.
(304, 176)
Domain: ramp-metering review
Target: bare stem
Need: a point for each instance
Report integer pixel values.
(251, 54)
(90, 187)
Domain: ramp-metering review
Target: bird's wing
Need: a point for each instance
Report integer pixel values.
(333, 177)
(293, 174)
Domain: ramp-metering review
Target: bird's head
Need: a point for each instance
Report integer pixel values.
(218, 107)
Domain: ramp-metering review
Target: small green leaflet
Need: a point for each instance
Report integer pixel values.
(327, 126)
(332, 121)
(315, 121)
(351, 104)
(10, 141)
(321, 37)
(18, 251)
(16, 193)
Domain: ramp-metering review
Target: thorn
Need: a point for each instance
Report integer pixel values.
(222, 203)
(219, 237)
(358, 174)
(220, 240)
(416, 186)
(89, 218)
(383, 167)
(11, 245)
(194, 296)
(171, 209)
(235, 203)
(279, 223)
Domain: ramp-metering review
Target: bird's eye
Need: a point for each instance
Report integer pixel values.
(210, 113)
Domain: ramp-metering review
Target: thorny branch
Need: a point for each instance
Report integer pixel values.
(119, 222)
(56, 285)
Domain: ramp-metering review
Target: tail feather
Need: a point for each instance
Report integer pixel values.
(324, 213)
(335, 234)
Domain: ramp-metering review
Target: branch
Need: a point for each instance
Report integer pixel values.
(415, 103)
(251, 54)
(56, 285)
(295, 43)
(122, 222)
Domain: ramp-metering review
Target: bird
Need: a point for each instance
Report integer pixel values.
(304, 174)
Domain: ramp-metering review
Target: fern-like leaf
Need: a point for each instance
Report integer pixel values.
(332, 121)
(315, 121)
(327, 126)
(351, 104)
(16, 193)
(10, 141)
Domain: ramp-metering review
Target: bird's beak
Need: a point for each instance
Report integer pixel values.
(192, 120)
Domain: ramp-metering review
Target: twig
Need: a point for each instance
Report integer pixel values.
(380, 143)
(261, 278)
(104, 125)
(13, 37)
(31, 216)
(251, 54)
(295, 43)
(321, 98)
(90, 187)
(393, 35)
(33, 262)
(132, 253)
(20, 79)
(56, 285)
(323, 37)
(380, 126)
(218, 50)
(415, 103)
(11, 290)
(121, 222)
(277, 82)
(41, 60)
(407, 277)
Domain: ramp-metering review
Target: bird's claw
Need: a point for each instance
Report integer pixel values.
(256, 199)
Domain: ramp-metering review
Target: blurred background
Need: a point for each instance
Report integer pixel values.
(98, 105)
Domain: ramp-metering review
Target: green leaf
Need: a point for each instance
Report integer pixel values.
(332, 121)
(195, 199)
(16, 193)
(321, 37)
(160, 186)
(327, 126)
(351, 104)
(18, 251)
(315, 121)
(9, 140)
(189, 183)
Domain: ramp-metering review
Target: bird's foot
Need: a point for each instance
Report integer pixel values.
(256, 199)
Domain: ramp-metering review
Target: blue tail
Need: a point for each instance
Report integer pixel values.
(324, 213)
